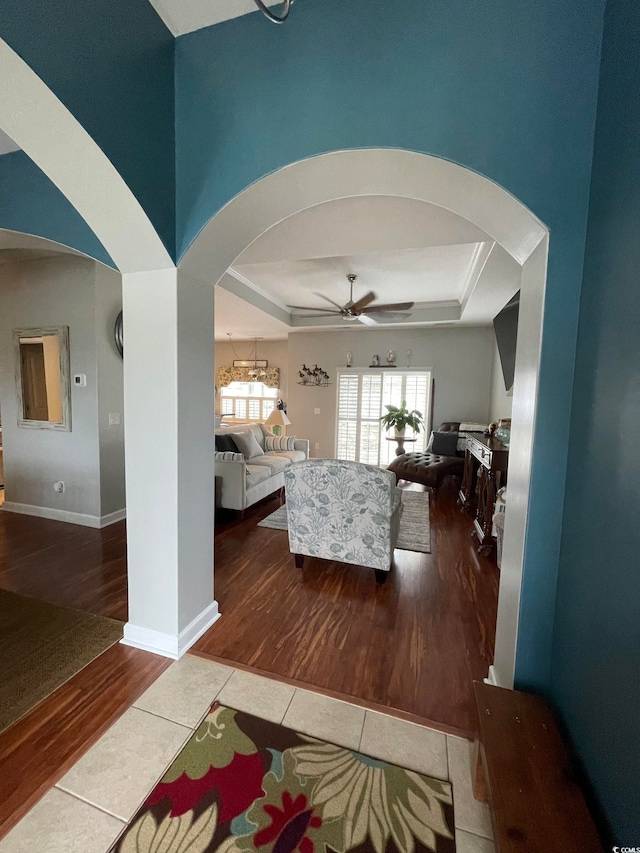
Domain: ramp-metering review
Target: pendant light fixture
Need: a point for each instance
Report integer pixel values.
(271, 16)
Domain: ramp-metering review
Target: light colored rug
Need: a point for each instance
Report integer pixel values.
(43, 645)
(415, 531)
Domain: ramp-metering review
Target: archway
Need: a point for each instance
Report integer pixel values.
(40, 124)
(430, 179)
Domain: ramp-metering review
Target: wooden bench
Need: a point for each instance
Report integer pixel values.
(523, 770)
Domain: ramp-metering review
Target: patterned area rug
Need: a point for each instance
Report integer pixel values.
(242, 784)
(415, 531)
(43, 645)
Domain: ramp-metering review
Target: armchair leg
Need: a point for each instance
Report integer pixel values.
(381, 576)
(299, 560)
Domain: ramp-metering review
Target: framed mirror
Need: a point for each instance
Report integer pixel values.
(43, 385)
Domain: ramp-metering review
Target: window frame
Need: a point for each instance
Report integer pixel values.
(360, 372)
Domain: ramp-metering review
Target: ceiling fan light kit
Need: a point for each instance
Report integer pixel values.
(361, 309)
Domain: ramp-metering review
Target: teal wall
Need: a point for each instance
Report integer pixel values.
(507, 89)
(29, 202)
(596, 649)
(111, 63)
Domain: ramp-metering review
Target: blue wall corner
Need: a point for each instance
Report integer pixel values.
(31, 203)
(111, 63)
(596, 644)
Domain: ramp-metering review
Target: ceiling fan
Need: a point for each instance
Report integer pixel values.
(361, 310)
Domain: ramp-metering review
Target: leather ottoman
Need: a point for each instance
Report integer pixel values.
(426, 468)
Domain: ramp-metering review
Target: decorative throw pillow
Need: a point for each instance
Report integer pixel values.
(444, 443)
(279, 442)
(228, 456)
(225, 444)
(247, 444)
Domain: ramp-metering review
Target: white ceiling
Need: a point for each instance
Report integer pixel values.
(432, 274)
(7, 144)
(243, 320)
(183, 17)
(402, 249)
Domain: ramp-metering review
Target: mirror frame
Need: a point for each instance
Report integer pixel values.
(62, 334)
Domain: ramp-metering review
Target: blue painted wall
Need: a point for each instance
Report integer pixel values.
(29, 202)
(111, 63)
(596, 649)
(508, 89)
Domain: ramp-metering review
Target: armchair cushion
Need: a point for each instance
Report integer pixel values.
(343, 511)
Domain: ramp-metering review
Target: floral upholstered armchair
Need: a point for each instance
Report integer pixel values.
(345, 511)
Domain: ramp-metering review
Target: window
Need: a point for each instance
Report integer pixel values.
(248, 401)
(362, 397)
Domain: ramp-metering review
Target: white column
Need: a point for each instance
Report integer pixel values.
(169, 450)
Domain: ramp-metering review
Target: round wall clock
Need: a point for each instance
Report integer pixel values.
(118, 334)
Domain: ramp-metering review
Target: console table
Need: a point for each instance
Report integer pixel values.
(485, 469)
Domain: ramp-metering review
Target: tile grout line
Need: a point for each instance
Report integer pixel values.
(364, 720)
(446, 752)
(86, 802)
(295, 690)
(159, 717)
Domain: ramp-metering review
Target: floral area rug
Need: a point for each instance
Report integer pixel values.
(242, 784)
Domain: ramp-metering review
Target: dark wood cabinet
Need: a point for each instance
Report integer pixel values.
(485, 471)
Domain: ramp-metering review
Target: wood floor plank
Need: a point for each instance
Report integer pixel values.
(415, 644)
(39, 749)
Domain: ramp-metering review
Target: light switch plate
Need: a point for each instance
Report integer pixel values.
(114, 418)
(316, 411)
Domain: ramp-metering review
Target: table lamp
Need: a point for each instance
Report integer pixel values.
(276, 420)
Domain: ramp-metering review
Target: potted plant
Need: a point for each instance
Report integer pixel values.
(400, 418)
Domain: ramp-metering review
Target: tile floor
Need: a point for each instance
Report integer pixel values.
(87, 809)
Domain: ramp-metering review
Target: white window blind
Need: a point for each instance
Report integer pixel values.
(247, 401)
(362, 397)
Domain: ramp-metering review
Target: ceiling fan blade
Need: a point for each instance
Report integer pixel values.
(386, 315)
(326, 314)
(390, 306)
(311, 308)
(355, 307)
(326, 298)
(367, 319)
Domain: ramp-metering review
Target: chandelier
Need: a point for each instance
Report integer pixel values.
(276, 19)
(255, 371)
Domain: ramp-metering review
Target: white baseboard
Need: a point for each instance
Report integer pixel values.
(64, 515)
(168, 645)
(112, 517)
(491, 677)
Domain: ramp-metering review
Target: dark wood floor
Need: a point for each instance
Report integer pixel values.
(415, 644)
(65, 564)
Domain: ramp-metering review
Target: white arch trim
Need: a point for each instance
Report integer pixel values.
(343, 174)
(362, 172)
(48, 133)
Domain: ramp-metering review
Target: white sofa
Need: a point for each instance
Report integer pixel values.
(241, 482)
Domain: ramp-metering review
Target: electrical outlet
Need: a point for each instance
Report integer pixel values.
(316, 411)
(317, 446)
(58, 486)
(114, 418)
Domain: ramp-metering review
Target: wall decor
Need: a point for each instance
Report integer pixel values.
(118, 335)
(315, 376)
(349, 359)
(43, 386)
(375, 361)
